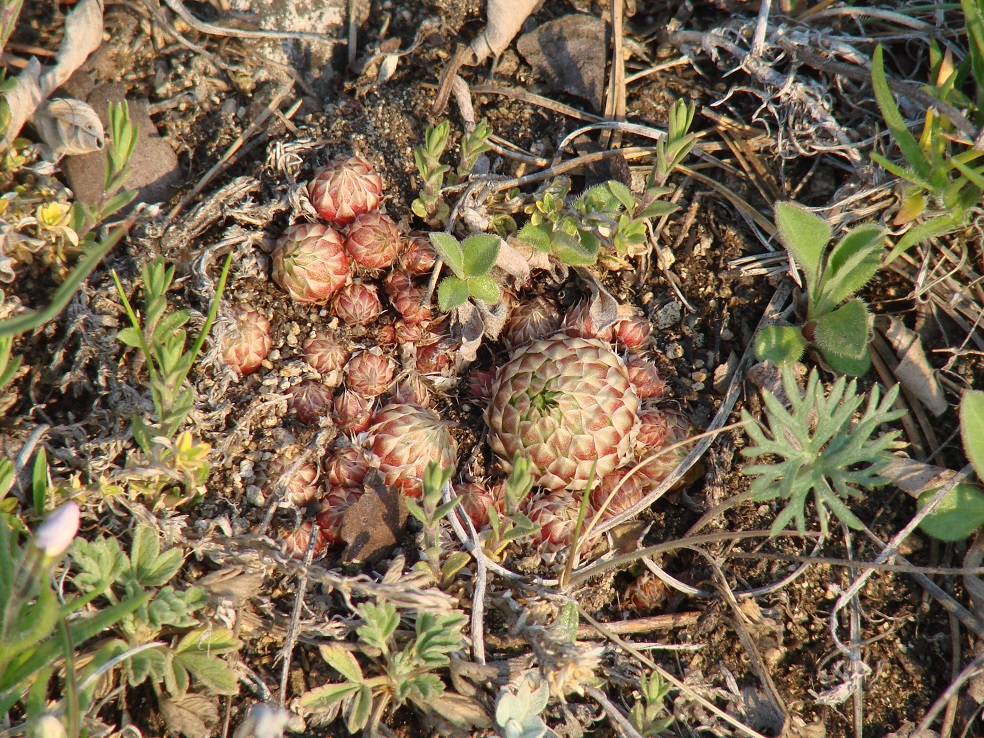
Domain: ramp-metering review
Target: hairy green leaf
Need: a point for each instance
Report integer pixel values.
(780, 344)
(972, 428)
(485, 289)
(450, 251)
(480, 254)
(805, 236)
(845, 331)
(959, 515)
(451, 293)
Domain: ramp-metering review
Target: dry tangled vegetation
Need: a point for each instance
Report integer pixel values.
(243, 392)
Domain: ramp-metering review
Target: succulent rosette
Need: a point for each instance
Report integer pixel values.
(247, 343)
(298, 479)
(311, 401)
(325, 353)
(369, 372)
(374, 241)
(357, 304)
(531, 320)
(345, 189)
(568, 405)
(404, 437)
(353, 412)
(310, 263)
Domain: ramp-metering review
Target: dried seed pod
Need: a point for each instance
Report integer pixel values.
(296, 541)
(301, 484)
(353, 412)
(309, 262)
(436, 357)
(347, 466)
(345, 189)
(634, 332)
(369, 372)
(333, 507)
(247, 343)
(419, 256)
(646, 594)
(325, 354)
(374, 241)
(530, 320)
(404, 438)
(579, 323)
(311, 401)
(646, 380)
(357, 304)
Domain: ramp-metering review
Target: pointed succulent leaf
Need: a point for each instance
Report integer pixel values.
(805, 235)
(780, 344)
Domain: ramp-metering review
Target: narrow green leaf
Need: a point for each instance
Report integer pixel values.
(480, 254)
(972, 428)
(453, 564)
(893, 118)
(780, 344)
(845, 331)
(805, 236)
(485, 289)
(361, 708)
(450, 251)
(451, 293)
(39, 482)
(932, 228)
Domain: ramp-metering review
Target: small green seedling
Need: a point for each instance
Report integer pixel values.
(961, 511)
(649, 715)
(823, 449)
(430, 511)
(471, 261)
(835, 322)
(939, 167)
(517, 713)
(402, 669)
(672, 150)
(512, 524)
(430, 204)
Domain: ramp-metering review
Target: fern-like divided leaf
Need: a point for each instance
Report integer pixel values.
(823, 446)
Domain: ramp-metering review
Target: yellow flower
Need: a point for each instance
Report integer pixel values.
(53, 215)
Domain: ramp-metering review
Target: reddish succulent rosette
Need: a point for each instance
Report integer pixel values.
(325, 354)
(357, 304)
(333, 507)
(374, 241)
(310, 263)
(247, 343)
(310, 401)
(634, 332)
(345, 189)
(404, 438)
(353, 412)
(347, 466)
(369, 372)
(531, 320)
(646, 380)
(301, 484)
(579, 323)
(419, 256)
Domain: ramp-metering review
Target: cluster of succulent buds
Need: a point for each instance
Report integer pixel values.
(247, 343)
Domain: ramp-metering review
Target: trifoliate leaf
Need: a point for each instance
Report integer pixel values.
(450, 251)
(480, 253)
(451, 293)
(485, 289)
(779, 344)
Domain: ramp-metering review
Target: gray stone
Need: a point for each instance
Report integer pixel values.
(154, 171)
